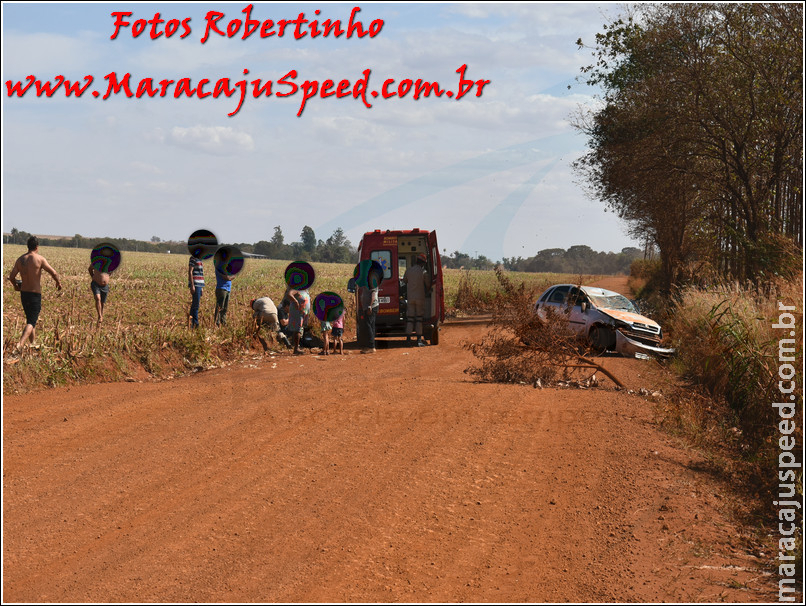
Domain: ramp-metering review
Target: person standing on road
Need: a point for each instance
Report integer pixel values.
(327, 329)
(223, 286)
(338, 334)
(300, 307)
(29, 267)
(196, 284)
(368, 302)
(418, 282)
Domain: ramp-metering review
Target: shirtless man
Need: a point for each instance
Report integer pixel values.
(100, 289)
(29, 267)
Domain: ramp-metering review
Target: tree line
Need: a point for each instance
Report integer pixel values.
(156, 245)
(338, 249)
(698, 143)
(578, 259)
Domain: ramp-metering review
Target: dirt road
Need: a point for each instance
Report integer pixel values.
(379, 478)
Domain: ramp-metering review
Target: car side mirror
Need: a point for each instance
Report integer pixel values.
(584, 306)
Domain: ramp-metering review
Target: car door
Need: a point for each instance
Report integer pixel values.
(577, 319)
(438, 296)
(555, 300)
(388, 297)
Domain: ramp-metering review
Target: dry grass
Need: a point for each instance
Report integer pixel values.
(476, 291)
(728, 348)
(145, 324)
(145, 329)
(727, 344)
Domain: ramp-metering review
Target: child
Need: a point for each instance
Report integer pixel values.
(326, 328)
(338, 332)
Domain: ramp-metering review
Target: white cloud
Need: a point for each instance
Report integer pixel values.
(146, 168)
(348, 131)
(540, 114)
(166, 187)
(156, 135)
(538, 17)
(218, 140)
(47, 55)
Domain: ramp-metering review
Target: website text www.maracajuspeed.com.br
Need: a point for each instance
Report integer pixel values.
(285, 86)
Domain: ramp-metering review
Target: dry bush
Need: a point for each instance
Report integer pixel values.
(725, 342)
(523, 348)
(470, 298)
(705, 421)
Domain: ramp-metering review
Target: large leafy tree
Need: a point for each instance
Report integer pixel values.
(698, 141)
(277, 240)
(308, 238)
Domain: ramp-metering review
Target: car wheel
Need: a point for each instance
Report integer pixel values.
(435, 335)
(599, 339)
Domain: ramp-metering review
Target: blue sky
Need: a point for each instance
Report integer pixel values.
(491, 174)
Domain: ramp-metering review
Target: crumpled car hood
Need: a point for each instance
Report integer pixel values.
(627, 316)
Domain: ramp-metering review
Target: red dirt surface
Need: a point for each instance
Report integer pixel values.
(363, 478)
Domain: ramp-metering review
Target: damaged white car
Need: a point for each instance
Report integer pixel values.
(609, 321)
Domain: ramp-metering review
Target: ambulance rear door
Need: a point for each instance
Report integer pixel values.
(383, 249)
(435, 265)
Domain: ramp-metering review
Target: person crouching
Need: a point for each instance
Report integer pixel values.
(264, 314)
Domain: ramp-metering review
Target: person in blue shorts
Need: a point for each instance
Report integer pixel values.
(99, 285)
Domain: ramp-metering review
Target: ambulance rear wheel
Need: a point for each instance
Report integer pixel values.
(435, 335)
